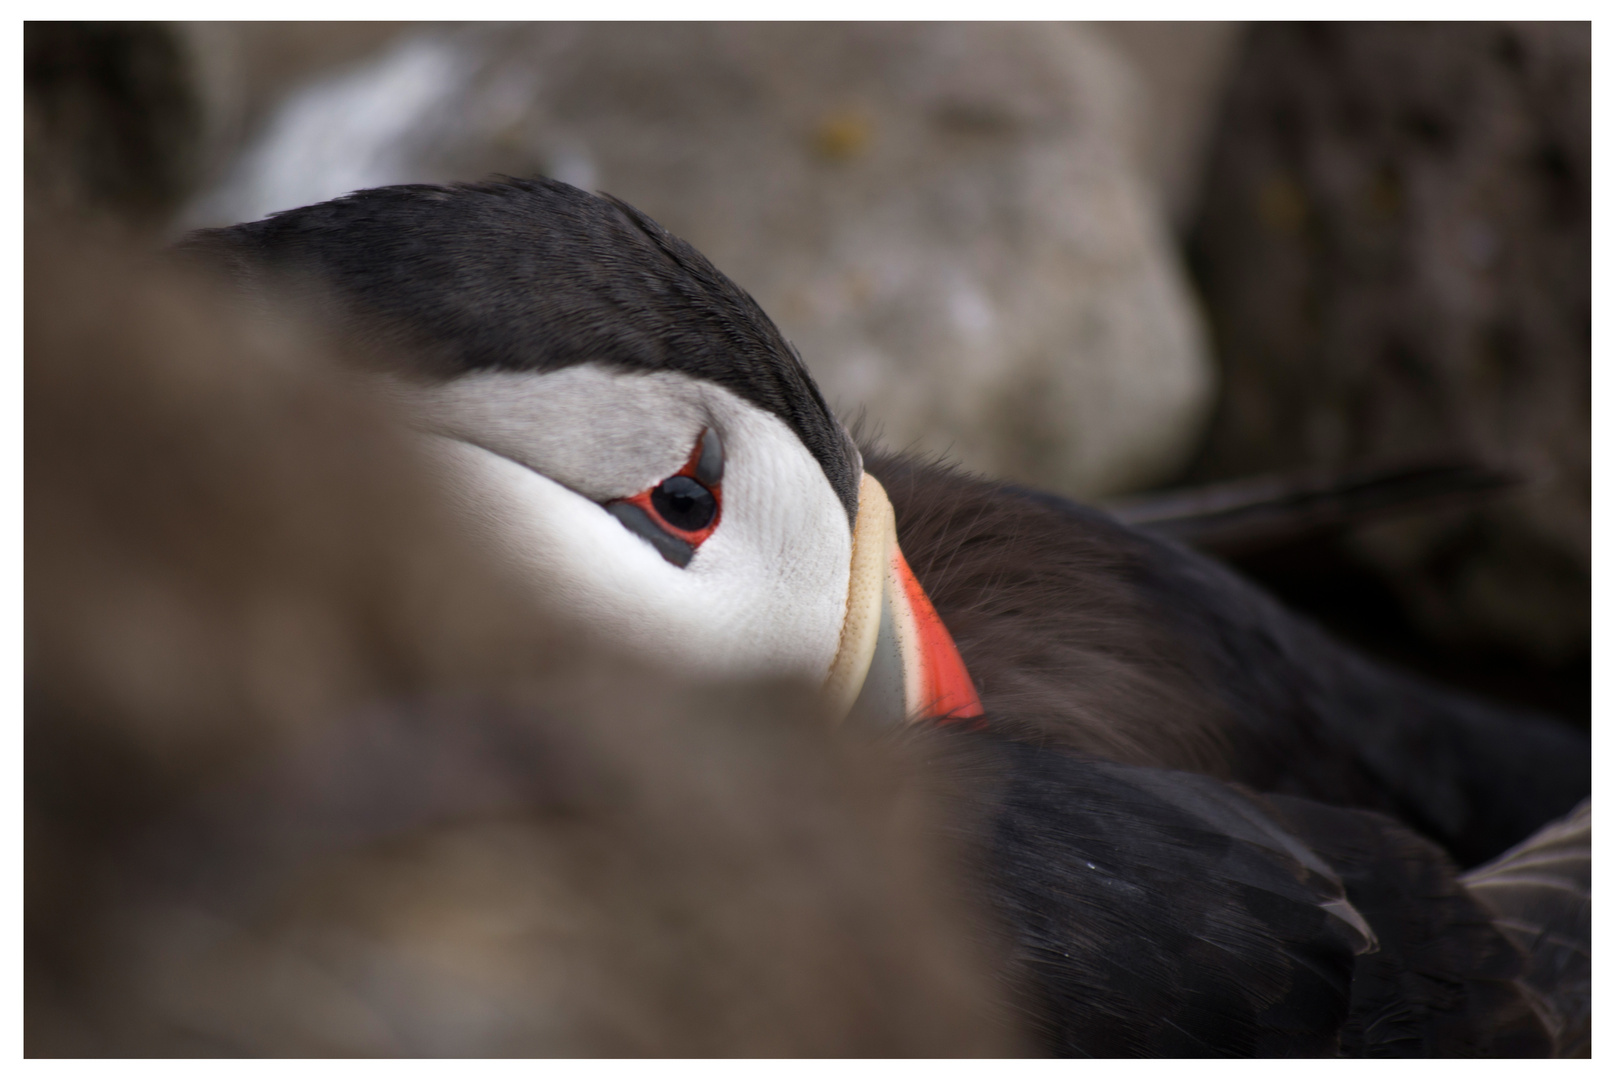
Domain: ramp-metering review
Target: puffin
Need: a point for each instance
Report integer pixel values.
(1207, 827)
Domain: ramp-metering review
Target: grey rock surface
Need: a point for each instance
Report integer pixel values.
(949, 221)
(1395, 246)
(1183, 69)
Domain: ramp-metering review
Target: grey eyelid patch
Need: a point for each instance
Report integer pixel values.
(709, 469)
(636, 521)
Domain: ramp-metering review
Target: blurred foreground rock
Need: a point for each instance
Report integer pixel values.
(306, 776)
(949, 221)
(1394, 245)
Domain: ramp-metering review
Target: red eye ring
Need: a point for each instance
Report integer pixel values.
(698, 497)
(692, 469)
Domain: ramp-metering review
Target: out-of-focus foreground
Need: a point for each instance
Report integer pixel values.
(305, 777)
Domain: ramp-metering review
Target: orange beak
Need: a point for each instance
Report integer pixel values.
(896, 663)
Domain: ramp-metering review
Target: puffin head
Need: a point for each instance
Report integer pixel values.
(627, 426)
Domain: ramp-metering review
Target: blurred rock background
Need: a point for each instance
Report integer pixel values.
(1102, 259)
(1394, 246)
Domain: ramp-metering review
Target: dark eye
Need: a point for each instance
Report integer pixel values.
(678, 515)
(684, 503)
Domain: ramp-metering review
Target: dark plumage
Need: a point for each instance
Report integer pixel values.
(1154, 906)
(1158, 913)
(1444, 981)
(1115, 643)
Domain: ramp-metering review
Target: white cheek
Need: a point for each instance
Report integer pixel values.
(766, 594)
(776, 569)
(572, 553)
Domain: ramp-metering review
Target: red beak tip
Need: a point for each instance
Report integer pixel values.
(945, 681)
